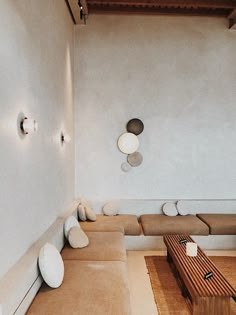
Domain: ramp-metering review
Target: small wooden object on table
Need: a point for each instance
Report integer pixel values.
(206, 296)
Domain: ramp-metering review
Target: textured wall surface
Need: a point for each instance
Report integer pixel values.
(36, 172)
(178, 75)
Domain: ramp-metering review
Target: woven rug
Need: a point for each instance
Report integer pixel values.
(166, 291)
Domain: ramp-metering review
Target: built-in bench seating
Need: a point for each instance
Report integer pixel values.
(219, 224)
(160, 224)
(126, 223)
(89, 287)
(102, 246)
(96, 280)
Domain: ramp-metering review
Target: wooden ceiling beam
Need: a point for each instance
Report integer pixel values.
(230, 4)
(159, 11)
(225, 8)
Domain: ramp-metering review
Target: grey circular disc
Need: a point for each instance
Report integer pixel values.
(135, 159)
(125, 167)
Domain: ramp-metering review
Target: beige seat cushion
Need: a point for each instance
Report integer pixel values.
(88, 288)
(126, 223)
(159, 224)
(102, 246)
(220, 224)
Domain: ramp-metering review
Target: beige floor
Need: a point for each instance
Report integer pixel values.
(142, 301)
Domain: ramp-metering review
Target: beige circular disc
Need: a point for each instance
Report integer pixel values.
(135, 159)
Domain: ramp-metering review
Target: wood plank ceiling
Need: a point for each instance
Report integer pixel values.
(219, 8)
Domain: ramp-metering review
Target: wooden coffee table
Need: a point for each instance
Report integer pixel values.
(206, 296)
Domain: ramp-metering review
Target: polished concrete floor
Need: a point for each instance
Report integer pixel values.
(142, 301)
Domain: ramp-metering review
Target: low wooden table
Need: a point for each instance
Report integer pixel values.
(207, 296)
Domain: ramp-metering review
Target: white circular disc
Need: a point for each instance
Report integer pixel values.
(128, 143)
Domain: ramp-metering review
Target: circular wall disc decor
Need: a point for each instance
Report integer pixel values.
(128, 143)
(135, 159)
(125, 167)
(135, 126)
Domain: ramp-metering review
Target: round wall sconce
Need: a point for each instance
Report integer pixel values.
(128, 143)
(135, 159)
(28, 126)
(65, 138)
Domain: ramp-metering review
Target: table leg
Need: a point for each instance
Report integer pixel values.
(169, 258)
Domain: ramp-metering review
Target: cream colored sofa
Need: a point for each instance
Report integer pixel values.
(96, 280)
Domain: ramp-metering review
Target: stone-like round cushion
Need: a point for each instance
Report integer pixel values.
(111, 208)
(77, 238)
(169, 208)
(69, 223)
(81, 213)
(90, 214)
(181, 208)
(51, 265)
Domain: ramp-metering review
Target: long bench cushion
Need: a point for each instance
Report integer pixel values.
(160, 224)
(126, 223)
(102, 246)
(219, 224)
(88, 288)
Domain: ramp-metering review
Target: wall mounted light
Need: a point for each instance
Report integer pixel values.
(28, 125)
(65, 138)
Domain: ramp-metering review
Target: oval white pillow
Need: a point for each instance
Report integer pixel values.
(69, 223)
(90, 214)
(111, 208)
(85, 202)
(51, 265)
(77, 238)
(181, 208)
(170, 209)
(81, 213)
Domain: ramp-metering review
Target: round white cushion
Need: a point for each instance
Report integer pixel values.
(51, 265)
(69, 223)
(181, 208)
(77, 238)
(169, 209)
(81, 213)
(111, 208)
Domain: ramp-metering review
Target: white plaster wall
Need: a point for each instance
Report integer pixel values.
(36, 79)
(177, 74)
